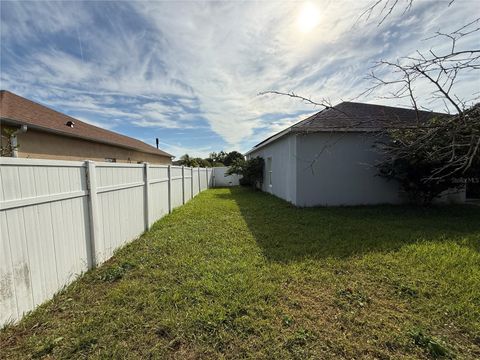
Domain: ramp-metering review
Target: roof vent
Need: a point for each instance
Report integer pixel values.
(70, 123)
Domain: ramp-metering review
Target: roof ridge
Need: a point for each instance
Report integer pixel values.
(388, 106)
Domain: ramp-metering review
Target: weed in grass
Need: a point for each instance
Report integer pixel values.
(44, 348)
(436, 348)
(114, 273)
(287, 321)
(407, 291)
(84, 343)
(349, 297)
(163, 331)
(300, 343)
(300, 338)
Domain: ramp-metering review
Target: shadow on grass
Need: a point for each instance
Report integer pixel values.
(286, 233)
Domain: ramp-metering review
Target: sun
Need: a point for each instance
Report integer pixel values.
(308, 18)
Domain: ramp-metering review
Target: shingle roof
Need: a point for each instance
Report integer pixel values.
(354, 117)
(17, 109)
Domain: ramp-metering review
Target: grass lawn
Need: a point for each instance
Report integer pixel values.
(239, 274)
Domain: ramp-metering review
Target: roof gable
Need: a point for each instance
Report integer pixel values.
(354, 117)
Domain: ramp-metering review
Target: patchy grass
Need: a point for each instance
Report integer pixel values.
(238, 274)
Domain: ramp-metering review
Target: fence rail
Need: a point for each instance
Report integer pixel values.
(61, 218)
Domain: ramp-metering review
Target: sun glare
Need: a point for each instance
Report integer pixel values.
(308, 18)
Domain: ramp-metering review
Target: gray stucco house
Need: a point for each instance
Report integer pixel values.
(328, 159)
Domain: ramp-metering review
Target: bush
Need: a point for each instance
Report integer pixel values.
(437, 155)
(251, 171)
(245, 182)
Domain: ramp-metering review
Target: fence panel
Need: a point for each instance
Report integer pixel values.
(203, 179)
(177, 186)
(59, 218)
(210, 177)
(44, 232)
(158, 192)
(188, 184)
(195, 187)
(121, 206)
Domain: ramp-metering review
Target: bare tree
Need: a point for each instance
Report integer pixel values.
(459, 149)
(441, 71)
(322, 103)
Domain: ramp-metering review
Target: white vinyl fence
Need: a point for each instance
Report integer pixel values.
(61, 218)
(222, 180)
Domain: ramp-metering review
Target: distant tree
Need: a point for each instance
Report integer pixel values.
(184, 160)
(213, 160)
(187, 160)
(222, 158)
(217, 157)
(211, 157)
(202, 162)
(232, 157)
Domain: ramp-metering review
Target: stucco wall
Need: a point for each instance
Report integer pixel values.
(332, 169)
(42, 145)
(283, 153)
(337, 169)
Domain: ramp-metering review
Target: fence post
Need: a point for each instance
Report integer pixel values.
(146, 193)
(206, 175)
(199, 182)
(191, 182)
(183, 184)
(169, 188)
(95, 234)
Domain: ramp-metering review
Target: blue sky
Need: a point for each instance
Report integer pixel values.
(189, 72)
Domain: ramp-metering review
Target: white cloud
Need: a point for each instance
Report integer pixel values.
(189, 61)
(169, 116)
(194, 151)
(103, 125)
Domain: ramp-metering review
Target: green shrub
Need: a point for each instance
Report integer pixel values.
(251, 171)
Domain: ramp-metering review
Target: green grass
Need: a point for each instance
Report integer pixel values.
(239, 274)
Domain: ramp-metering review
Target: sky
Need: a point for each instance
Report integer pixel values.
(189, 73)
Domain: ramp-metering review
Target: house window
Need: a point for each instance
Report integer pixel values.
(110, 160)
(269, 171)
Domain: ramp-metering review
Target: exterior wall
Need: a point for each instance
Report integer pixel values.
(42, 145)
(332, 169)
(337, 169)
(284, 167)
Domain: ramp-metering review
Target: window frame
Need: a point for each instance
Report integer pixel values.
(269, 171)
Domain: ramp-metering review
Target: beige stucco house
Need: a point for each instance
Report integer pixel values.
(36, 131)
